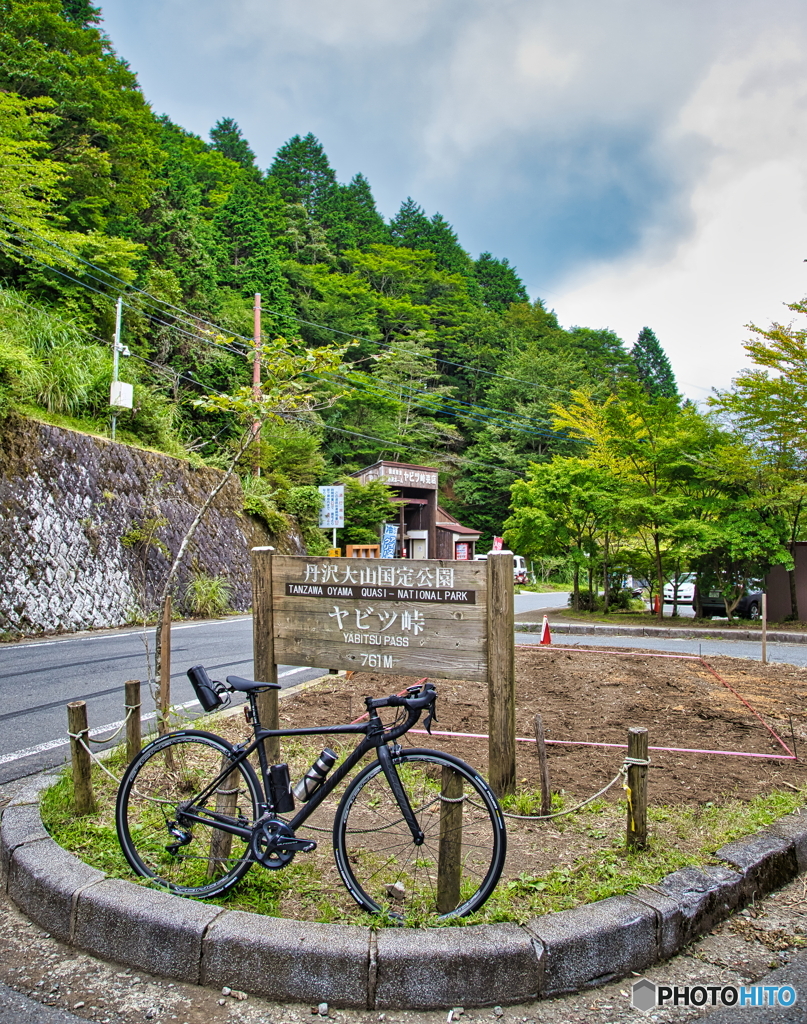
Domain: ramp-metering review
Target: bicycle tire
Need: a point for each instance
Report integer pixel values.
(376, 856)
(165, 775)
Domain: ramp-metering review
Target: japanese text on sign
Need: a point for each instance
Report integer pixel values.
(332, 513)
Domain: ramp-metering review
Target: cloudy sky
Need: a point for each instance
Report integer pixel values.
(639, 161)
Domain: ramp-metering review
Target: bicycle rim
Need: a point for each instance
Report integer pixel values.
(189, 858)
(457, 866)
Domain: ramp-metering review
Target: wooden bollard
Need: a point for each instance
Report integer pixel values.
(131, 700)
(543, 767)
(226, 803)
(82, 783)
(165, 669)
(501, 675)
(449, 858)
(637, 789)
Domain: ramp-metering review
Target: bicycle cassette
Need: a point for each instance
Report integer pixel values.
(273, 844)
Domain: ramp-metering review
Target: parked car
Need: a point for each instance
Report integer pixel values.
(686, 590)
(748, 607)
(521, 573)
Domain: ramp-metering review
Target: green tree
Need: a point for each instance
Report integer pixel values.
(653, 370)
(559, 510)
(367, 506)
(226, 138)
(247, 261)
(104, 134)
(304, 174)
(500, 283)
(767, 408)
(652, 448)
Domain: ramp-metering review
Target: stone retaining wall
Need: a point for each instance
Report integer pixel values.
(68, 503)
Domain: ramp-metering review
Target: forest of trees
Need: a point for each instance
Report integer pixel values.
(445, 359)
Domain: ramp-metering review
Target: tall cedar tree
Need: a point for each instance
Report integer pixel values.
(304, 174)
(247, 261)
(351, 217)
(652, 366)
(500, 283)
(226, 138)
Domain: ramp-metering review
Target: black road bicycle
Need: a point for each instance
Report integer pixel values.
(416, 832)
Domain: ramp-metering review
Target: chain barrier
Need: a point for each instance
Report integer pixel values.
(629, 762)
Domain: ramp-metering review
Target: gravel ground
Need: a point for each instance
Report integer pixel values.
(51, 974)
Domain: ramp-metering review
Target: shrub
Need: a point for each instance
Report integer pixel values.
(208, 596)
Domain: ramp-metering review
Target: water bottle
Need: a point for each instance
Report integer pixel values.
(313, 778)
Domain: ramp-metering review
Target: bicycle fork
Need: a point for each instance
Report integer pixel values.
(388, 767)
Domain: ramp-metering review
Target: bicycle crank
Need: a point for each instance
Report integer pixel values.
(273, 844)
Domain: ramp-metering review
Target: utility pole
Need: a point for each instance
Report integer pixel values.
(115, 353)
(256, 374)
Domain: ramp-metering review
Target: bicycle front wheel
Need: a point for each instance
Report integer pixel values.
(169, 777)
(456, 867)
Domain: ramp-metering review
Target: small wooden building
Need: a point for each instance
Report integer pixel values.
(424, 529)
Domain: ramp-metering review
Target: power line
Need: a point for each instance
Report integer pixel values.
(496, 421)
(284, 316)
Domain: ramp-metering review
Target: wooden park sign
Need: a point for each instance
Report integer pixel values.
(421, 617)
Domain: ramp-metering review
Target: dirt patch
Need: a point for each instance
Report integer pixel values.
(592, 696)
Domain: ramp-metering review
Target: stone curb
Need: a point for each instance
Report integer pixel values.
(392, 968)
(678, 633)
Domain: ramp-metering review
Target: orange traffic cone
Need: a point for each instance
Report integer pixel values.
(546, 637)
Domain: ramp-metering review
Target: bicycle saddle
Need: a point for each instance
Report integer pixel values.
(245, 685)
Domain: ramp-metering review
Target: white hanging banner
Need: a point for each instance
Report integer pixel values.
(332, 513)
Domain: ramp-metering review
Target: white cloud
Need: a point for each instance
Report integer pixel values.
(741, 259)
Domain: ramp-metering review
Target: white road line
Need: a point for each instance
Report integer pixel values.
(17, 755)
(117, 636)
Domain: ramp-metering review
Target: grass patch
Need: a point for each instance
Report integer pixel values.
(585, 851)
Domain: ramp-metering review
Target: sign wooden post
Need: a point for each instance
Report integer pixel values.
(263, 645)
(501, 675)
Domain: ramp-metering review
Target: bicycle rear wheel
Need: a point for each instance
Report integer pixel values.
(168, 776)
(456, 867)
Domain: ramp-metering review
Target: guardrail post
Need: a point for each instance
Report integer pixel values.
(637, 790)
(82, 783)
(131, 700)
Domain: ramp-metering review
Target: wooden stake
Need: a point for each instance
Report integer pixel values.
(501, 674)
(165, 669)
(637, 789)
(449, 859)
(131, 700)
(764, 629)
(226, 802)
(540, 749)
(263, 645)
(82, 783)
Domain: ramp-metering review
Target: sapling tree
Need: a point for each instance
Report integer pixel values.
(290, 386)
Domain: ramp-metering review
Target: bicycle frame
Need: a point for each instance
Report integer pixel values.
(375, 737)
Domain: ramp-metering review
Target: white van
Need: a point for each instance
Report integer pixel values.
(521, 572)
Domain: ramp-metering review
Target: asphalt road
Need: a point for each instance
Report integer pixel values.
(39, 677)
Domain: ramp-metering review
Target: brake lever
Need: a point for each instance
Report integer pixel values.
(431, 717)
